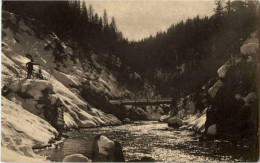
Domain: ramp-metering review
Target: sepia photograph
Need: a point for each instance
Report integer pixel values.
(130, 80)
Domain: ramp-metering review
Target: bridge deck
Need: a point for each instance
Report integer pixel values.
(142, 101)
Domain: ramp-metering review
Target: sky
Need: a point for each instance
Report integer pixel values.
(140, 19)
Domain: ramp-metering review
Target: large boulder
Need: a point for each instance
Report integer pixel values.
(76, 158)
(248, 98)
(154, 112)
(212, 130)
(197, 122)
(127, 121)
(165, 118)
(137, 113)
(37, 97)
(251, 45)
(214, 89)
(174, 122)
(223, 69)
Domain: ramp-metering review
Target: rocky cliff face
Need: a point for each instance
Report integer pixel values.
(229, 103)
(235, 102)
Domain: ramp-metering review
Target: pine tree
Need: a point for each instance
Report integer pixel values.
(228, 7)
(101, 23)
(84, 12)
(113, 25)
(218, 13)
(91, 13)
(105, 19)
(219, 8)
(96, 19)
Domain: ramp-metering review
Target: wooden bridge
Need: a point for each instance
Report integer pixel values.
(142, 102)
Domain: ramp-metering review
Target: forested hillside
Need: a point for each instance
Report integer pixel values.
(77, 24)
(189, 52)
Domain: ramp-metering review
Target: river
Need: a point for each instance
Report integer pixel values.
(151, 139)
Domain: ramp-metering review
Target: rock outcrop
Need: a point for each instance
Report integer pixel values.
(229, 104)
(174, 122)
(234, 104)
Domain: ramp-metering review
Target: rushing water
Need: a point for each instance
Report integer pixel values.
(151, 139)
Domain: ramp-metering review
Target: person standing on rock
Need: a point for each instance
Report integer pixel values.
(29, 67)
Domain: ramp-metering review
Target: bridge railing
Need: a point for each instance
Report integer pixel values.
(142, 101)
